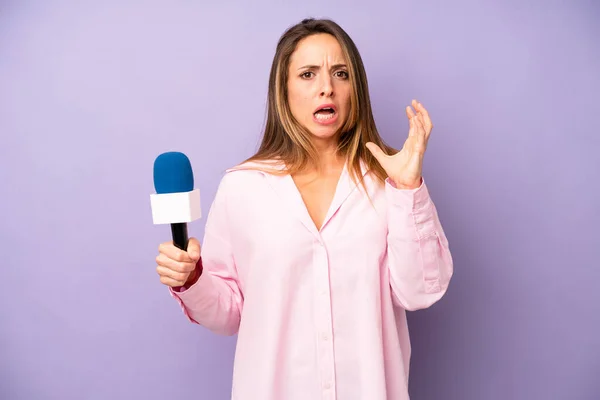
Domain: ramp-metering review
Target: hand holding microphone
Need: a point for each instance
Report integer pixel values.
(176, 202)
(176, 267)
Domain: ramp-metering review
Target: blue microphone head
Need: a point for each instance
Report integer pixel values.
(173, 173)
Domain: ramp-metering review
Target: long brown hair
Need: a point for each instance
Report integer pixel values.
(285, 140)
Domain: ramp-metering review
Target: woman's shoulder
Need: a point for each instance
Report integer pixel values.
(248, 175)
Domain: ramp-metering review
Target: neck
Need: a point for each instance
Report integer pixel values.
(329, 158)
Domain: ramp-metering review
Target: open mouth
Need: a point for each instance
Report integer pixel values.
(325, 113)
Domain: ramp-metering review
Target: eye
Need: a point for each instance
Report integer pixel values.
(306, 75)
(342, 74)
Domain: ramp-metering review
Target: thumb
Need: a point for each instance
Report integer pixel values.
(379, 155)
(193, 249)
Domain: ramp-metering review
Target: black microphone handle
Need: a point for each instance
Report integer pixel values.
(180, 235)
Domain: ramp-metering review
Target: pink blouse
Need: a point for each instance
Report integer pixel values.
(320, 314)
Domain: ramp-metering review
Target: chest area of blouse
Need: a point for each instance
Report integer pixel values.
(274, 219)
(317, 194)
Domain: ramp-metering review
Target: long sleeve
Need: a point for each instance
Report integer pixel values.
(215, 301)
(419, 260)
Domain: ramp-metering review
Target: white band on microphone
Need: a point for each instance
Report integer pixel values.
(172, 208)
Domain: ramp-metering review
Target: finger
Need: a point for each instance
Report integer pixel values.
(414, 103)
(418, 111)
(379, 155)
(419, 128)
(165, 280)
(420, 137)
(426, 118)
(177, 266)
(412, 126)
(411, 119)
(179, 277)
(174, 253)
(413, 133)
(193, 249)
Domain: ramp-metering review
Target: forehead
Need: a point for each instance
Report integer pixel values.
(318, 49)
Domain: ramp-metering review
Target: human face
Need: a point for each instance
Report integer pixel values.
(319, 87)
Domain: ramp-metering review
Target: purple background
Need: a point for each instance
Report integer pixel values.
(91, 94)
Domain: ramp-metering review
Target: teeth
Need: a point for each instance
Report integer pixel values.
(324, 117)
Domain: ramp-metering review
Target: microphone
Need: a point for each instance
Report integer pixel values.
(175, 202)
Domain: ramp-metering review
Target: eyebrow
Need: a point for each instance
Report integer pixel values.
(317, 67)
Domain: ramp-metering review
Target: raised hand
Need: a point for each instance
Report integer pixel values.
(405, 167)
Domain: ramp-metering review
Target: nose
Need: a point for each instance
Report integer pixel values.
(326, 86)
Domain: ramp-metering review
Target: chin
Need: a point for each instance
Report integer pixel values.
(325, 131)
(321, 134)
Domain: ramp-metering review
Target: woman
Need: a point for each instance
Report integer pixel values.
(316, 246)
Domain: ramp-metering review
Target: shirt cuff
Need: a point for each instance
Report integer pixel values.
(201, 286)
(412, 199)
